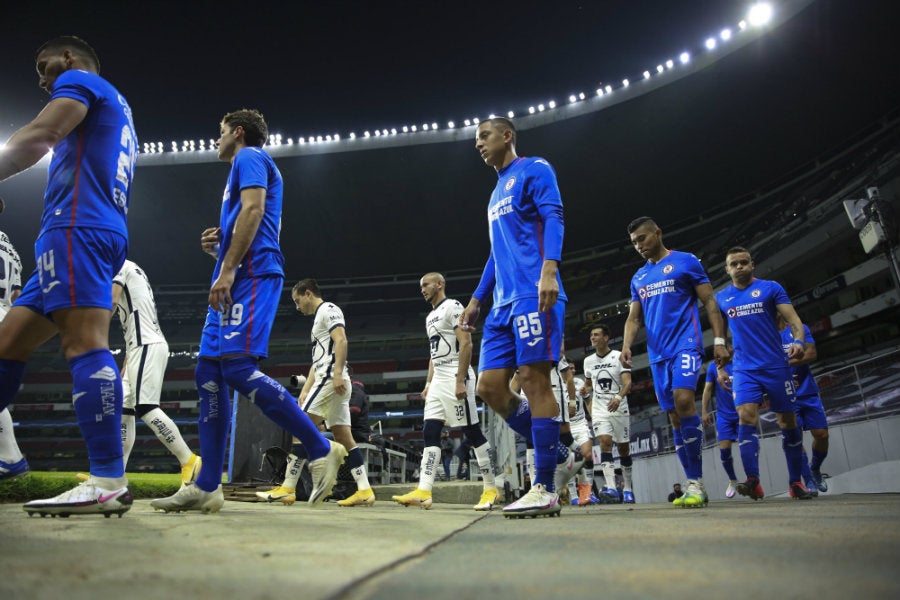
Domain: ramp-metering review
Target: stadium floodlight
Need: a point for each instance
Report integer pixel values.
(599, 91)
(301, 140)
(405, 129)
(540, 108)
(377, 133)
(434, 125)
(366, 134)
(530, 110)
(711, 43)
(660, 68)
(725, 34)
(646, 74)
(552, 104)
(290, 141)
(424, 126)
(760, 14)
(742, 25)
(393, 131)
(581, 95)
(609, 89)
(670, 63)
(572, 99)
(468, 122)
(510, 114)
(318, 138)
(684, 57)
(625, 83)
(385, 131)
(451, 125)
(476, 121)
(413, 128)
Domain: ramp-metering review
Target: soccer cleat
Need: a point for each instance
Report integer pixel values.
(13, 470)
(566, 470)
(282, 494)
(364, 497)
(191, 497)
(751, 488)
(799, 491)
(679, 501)
(695, 495)
(83, 499)
(811, 488)
(324, 473)
(819, 479)
(537, 502)
(594, 499)
(417, 497)
(731, 490)
(488, 499)
(190, 469)
(584, 494)
(609, 496)
(628, 497)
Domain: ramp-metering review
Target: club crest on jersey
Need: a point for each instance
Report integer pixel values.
(756, 293)
(732, 313)
(509, 184)
(668, 269)
(642, 292)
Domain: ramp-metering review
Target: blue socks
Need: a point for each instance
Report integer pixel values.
(355, 458)
(545, 432)
(213, 423)
(680, 450)
(97, 397)
(727, 462)
(521, 422)
(792, 443)
(817, 459)
(692, 432)
(11, 373)
(748, 439)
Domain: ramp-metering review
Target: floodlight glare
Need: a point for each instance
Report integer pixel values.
(760, 14)
(510, 114)
(725, 35)
(552, 104)
(573, 99)
(660, 68)
(451, 125)
(685, 58)
(625, 83)
(540, 108)
(711, 43)
(646, 74)
(434, 126)
(530, 110)
(670, 63)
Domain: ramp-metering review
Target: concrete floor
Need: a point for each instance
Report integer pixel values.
(836, 546)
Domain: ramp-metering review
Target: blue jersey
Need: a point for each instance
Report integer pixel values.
(89, 180)
(724, 399)
(525, 222)
(253, 168)
(804, 382)
(669, 302)
(752, 317)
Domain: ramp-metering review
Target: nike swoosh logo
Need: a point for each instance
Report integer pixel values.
(232, 334)
(103, 498)
(77, 396)
(535, 341)
(729, 299)
(53, 284)
(642, 276)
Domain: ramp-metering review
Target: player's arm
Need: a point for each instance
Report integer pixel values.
(117, 289)
(339, 338)
(514, 384)
(787, 312)
(614, 402)
(29, 144)
(706, 296)
(545, 190)
(470, 313)
(310, 381)
(428, 380)
(632, 326)
(209, 241)
(465, 360)
(708, 388)
(15, 294)
(253, 207)
(810, 354)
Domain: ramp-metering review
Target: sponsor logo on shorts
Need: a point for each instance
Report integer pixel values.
(534, 342)
(106, 373)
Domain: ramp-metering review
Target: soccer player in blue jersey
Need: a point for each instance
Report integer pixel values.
(81, 246)
(243, 299)
(809, 409)
(752, 307)
(726, 420)
(665, 294)
(524, 328)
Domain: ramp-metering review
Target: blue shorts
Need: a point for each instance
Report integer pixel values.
(680, 371)
(517, 334)
(777, 384)
(245, 329)
(810, 413)
(75, 267)
(726, 427)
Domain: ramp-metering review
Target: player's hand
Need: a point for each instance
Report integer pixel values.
(613, 405)
(424, 392)
(461, 391)
(339, 384)
(722, 355)
(724, 379)
(469, 315)
(548, 291)
(209, 241)
(707, 418)
(796, 352)
(220, 292)
(625, 358)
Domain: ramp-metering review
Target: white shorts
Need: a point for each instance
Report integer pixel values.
(142, 377)
(441, 403)
(328, 404)
(617, 426)
(579, 430)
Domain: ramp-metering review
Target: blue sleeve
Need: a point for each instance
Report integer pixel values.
(779, 294)
(712, 373)
(488, 278)
(695, 271)
(76, 85)
(250, 170)
(545, 191)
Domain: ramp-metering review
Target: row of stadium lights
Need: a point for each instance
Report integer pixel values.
(759, 14)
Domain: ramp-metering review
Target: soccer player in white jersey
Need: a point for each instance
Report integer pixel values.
(582, 440)
(449, 395)
(146, 357)
(325, 395)
(12, 463)
(609, 382)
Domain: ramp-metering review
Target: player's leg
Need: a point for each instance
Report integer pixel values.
(338, 420)
(726, 435)
(805, 471)
(685, 371)
(747, 397)
(817, 423)
(603, 432)
(431, 432)
(128, 424)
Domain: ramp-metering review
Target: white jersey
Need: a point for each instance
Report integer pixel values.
(136, 307)
(440, 325)
(327, 317)
(579, 399)
(10, 274)
(605, 373)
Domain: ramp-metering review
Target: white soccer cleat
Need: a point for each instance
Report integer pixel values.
(324, 473)
(191, 497)
(83, 499)
(537, 502)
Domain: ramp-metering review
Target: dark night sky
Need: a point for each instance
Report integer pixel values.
(705, 139)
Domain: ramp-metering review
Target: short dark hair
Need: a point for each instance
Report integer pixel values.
(602, 327)
(77, 45)
(641, 221)
(308, 284)
(256, 132)
(504, 123)
(737, 250)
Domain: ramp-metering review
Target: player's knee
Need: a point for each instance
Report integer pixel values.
(431, 432)
(474, 433)
(142, 409)
(820, 435)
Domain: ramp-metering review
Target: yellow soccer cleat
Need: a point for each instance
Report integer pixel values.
(416, 497)
(190, 469)
(360, 498)
(282, 494)
(489, 498)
